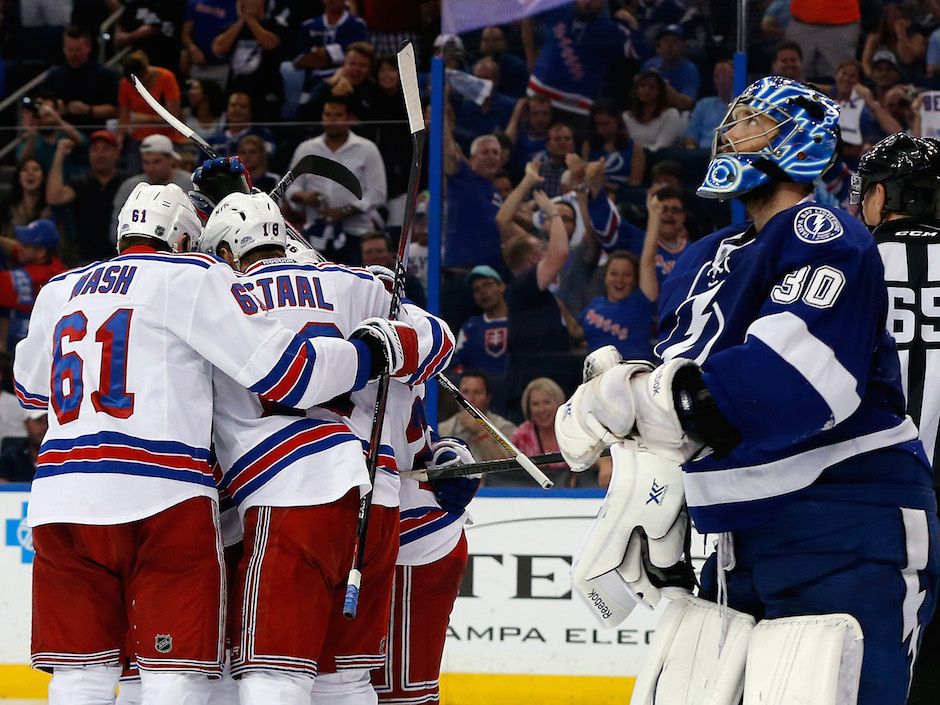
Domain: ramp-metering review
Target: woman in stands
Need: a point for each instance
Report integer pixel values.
(26, 200)
(650, 121)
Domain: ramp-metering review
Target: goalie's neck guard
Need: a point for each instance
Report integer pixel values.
(802, 145)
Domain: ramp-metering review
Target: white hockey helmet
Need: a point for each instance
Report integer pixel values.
(245, 222)
(161, 212)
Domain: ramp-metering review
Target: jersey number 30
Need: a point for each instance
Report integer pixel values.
(111, 397)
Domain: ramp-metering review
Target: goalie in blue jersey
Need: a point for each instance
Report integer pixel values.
(776, 421)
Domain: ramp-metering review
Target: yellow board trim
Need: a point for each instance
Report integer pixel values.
(487, 688)
(18, 681)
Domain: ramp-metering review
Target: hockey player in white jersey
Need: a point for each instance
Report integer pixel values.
(432, 558)
(295, 480)
(123, 505)
(779, 397)
(898, 187)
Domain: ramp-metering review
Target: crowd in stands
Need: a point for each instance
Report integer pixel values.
(574, 141)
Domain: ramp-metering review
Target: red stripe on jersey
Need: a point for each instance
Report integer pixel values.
(125, 453)
(291, 377)
(266, 461)
(431, 369)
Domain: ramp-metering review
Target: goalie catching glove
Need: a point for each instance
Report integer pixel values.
(393, 346)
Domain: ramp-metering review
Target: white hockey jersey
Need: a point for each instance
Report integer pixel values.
(121, 354)
(427, 532)
(319, 301)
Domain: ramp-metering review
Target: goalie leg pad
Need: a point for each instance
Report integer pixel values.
(804, 659)
(645, 493)
(684, 665)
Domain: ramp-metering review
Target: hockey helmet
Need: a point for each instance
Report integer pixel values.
(801, 144)
(245, 222)
(908, 168)
(161, 212)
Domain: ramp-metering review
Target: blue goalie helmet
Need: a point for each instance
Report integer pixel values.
(799, 147)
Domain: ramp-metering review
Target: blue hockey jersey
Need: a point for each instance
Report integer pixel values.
(788, 326)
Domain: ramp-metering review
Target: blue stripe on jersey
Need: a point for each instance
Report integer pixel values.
(425, 529)
(29, 399)
(303, 451)
(269, 444)
(123, 467)
(120, 439)
(362, 370)
(194, 258)
(437, 339)
(271, 380)
(416, 512)
(300, 386)
(77, 270)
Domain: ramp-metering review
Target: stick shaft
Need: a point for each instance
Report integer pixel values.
(171, 119)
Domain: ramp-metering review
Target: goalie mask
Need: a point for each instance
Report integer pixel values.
(792, 136)
(908, 168)
(161, 212)
(245, 222)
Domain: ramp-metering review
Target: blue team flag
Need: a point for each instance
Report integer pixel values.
(464, 15)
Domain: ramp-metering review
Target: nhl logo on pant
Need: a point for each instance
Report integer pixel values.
(163, 643)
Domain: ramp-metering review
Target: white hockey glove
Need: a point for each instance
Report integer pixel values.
(599, 413)
(384, 275)
(393, 344)
(637, 542)
(657, 422)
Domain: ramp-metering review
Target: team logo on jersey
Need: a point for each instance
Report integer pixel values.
(163, 643)
(496, 341)
(815, 224)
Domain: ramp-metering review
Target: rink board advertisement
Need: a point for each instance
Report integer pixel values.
(517, 634)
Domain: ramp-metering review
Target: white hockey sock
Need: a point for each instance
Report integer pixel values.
(268, 687)
(161, 688)
(84, 685)
(347, 687)
(129, 693)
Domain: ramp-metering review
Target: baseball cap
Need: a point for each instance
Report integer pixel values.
(42, 233)
(485, 271)
(672, 29)
(103, 136)
(885, 55)
(443, 40)
(158, 143)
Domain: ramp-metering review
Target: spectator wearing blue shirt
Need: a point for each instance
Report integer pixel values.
(492, 115)
(623, 317)
(203, 21)
(322, 43)
(710, 111)
(624, 160)
(681, 75)
(513, 73)
(528, 128)
(579, 41)
(236, 124)
(483, 340)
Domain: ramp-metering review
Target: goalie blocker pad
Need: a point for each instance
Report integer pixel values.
(640, 529)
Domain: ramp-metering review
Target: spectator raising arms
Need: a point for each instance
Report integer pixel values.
(624, 316)
(650, 121)
(894, 34)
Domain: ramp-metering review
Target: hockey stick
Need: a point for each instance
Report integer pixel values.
(484, 467)
(318, 166)
(174, 122)
(310, 164)
(407, 71)
(518, 456)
